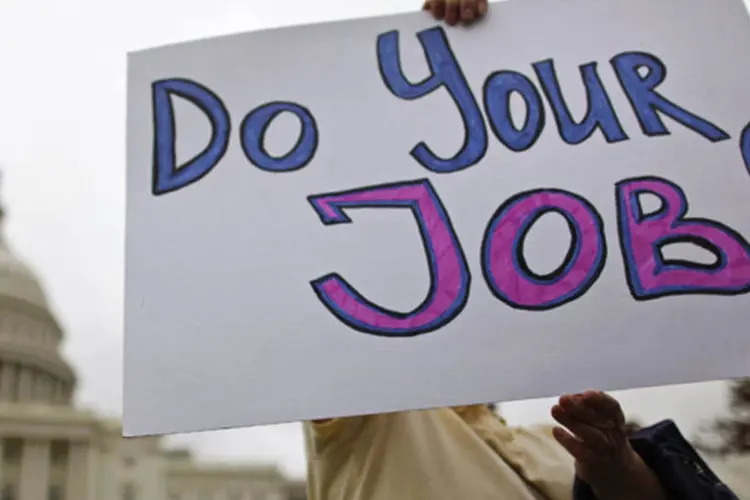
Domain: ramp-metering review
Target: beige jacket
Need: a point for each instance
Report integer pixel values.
(464, 453)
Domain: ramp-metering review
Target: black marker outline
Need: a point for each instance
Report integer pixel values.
(655, 110)
(261, 135)
(594, 273)
(592, 119)
(430, 256)
(629, 265)
(172, 146)
(542, 121)
(475, 158)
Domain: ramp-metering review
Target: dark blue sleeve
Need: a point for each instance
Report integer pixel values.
(681, 471)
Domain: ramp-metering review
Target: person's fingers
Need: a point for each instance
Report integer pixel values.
(574, 405)
(455, 11)
(595, 408)
(468, 11)
(452, 11)
(596, 440)
(482, 7)
(437, 7)
(606, 406)
(574, 446)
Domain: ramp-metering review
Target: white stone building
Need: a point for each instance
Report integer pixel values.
(51, 450)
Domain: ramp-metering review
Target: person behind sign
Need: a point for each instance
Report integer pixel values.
(470, 453)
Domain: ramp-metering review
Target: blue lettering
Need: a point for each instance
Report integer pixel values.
(167, 175)
(498, 88)
(253, 131)
(646, 102)
(599, 110)
(444, 72)
(745, 146)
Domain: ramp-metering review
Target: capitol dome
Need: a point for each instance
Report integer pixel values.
(31, 368)
(18, 280)
(49, 448)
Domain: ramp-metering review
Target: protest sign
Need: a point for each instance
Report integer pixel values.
(385, 214)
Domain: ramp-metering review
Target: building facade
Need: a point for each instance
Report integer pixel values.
(51, 450)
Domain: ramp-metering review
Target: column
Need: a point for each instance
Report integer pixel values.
(7, 381)
(43, 388)
(64, 392)
(77, 484)
(2, 457)
(36, 379)
(59, 392)
(34, 470)
(26, 385)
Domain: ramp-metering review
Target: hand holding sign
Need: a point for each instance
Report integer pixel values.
(454, 11)
(597, 439)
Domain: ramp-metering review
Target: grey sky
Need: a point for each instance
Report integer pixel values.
(62, 120)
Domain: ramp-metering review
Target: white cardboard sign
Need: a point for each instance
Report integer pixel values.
(384, 214)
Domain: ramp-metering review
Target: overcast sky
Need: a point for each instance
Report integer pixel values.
(62, 120)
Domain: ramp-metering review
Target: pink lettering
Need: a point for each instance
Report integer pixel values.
(503, 262)
(449, 272)
(642, 236)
